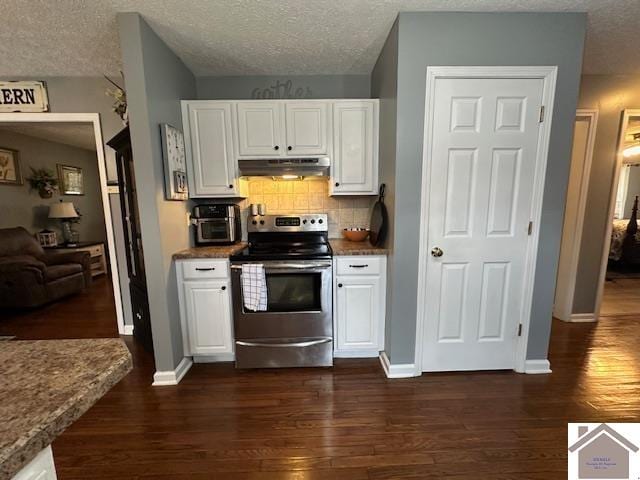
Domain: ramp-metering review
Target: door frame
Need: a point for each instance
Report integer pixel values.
(624, 123)
(566, 304)
(548, 74)
(94, 119)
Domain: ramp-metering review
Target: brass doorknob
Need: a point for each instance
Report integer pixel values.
(437, 252)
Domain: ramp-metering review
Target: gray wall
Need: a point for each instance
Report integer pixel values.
(610, 94)
(479, 39)
(21, 206)
(85, 95)
(310, 86)
(156, 81)
(384, 85)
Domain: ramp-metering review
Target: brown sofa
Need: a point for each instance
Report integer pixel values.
(30, 277)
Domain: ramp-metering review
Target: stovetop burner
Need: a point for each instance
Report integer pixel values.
(282, 237)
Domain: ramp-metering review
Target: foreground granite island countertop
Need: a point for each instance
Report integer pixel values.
(341, 246)
(46, 385)
(218, 251)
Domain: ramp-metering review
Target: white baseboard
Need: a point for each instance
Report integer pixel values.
(172, 377)
(356, 354)
(401, 370)
(582, 317)
(536, 367)
(128, 330)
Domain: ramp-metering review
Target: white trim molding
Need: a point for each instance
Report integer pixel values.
(128, 330)
(573, 225)
(400, 370)
(94, 119)
(537, 367)
(548, 74)
(581, 318)
(172, 377)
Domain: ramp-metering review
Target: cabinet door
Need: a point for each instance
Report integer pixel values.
(212, 167)
(359, 314)
(208, 309)
(307, 128)
(355, 148)
(260, 131)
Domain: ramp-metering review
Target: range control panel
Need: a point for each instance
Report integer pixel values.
(309, 222)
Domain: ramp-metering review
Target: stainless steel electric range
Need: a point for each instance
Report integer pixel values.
(296, 329)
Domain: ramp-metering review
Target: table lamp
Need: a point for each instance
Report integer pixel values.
(65, 211)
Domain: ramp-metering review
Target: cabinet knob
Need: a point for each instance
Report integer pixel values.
(223, 287)
(289, 147)
(276, 147)
(337, 184)
(230, 186)
(339, 285)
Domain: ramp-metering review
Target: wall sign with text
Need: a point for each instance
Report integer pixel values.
(22, 96)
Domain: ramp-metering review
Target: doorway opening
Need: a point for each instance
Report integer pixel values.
(58, 258)
(619, 287)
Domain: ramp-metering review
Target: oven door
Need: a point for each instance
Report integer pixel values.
(213, 230)
(297, 328)
(298, 301)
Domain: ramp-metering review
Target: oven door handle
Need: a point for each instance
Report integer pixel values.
(308, 343)
(289, 266)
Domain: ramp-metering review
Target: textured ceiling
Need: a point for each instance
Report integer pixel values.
(74, 134)
(278, 37)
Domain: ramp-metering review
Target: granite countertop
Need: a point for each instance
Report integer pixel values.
(219, 251)
(340, 246)
(46, 385)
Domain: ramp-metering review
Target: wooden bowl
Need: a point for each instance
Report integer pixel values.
(355, 234)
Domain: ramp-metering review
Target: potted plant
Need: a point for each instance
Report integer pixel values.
(44, 181)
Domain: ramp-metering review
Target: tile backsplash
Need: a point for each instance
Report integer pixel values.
(308, 196)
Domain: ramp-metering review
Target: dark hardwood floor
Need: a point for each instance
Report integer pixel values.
(350, 422)
(90, 314)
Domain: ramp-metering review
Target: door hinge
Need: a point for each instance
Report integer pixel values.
(542, 114)
(530, 228)
(520, 330)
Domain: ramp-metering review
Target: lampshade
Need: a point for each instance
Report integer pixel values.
(62, 210)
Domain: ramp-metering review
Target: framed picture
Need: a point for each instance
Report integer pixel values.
(71, 180)
(10, 167)
(175, 165)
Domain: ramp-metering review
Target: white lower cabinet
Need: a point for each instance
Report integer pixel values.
(205, 306)
(359, 305)
(40, 468)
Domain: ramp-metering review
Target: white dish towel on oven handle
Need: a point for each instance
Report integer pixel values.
(254, 287)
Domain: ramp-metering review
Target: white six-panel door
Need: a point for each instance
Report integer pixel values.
(483, 162)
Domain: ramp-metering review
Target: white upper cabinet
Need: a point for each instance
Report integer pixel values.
(209, 146)
(260, 129)
(219, 132)
(354, 167)
(307, 126)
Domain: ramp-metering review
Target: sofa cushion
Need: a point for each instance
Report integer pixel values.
(18, 241)
(54, 272)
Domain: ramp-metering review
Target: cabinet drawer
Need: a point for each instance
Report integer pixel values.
(201, 269)
(359, 265)
(95, 250)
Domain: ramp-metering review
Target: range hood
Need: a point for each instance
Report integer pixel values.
(278, 167)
